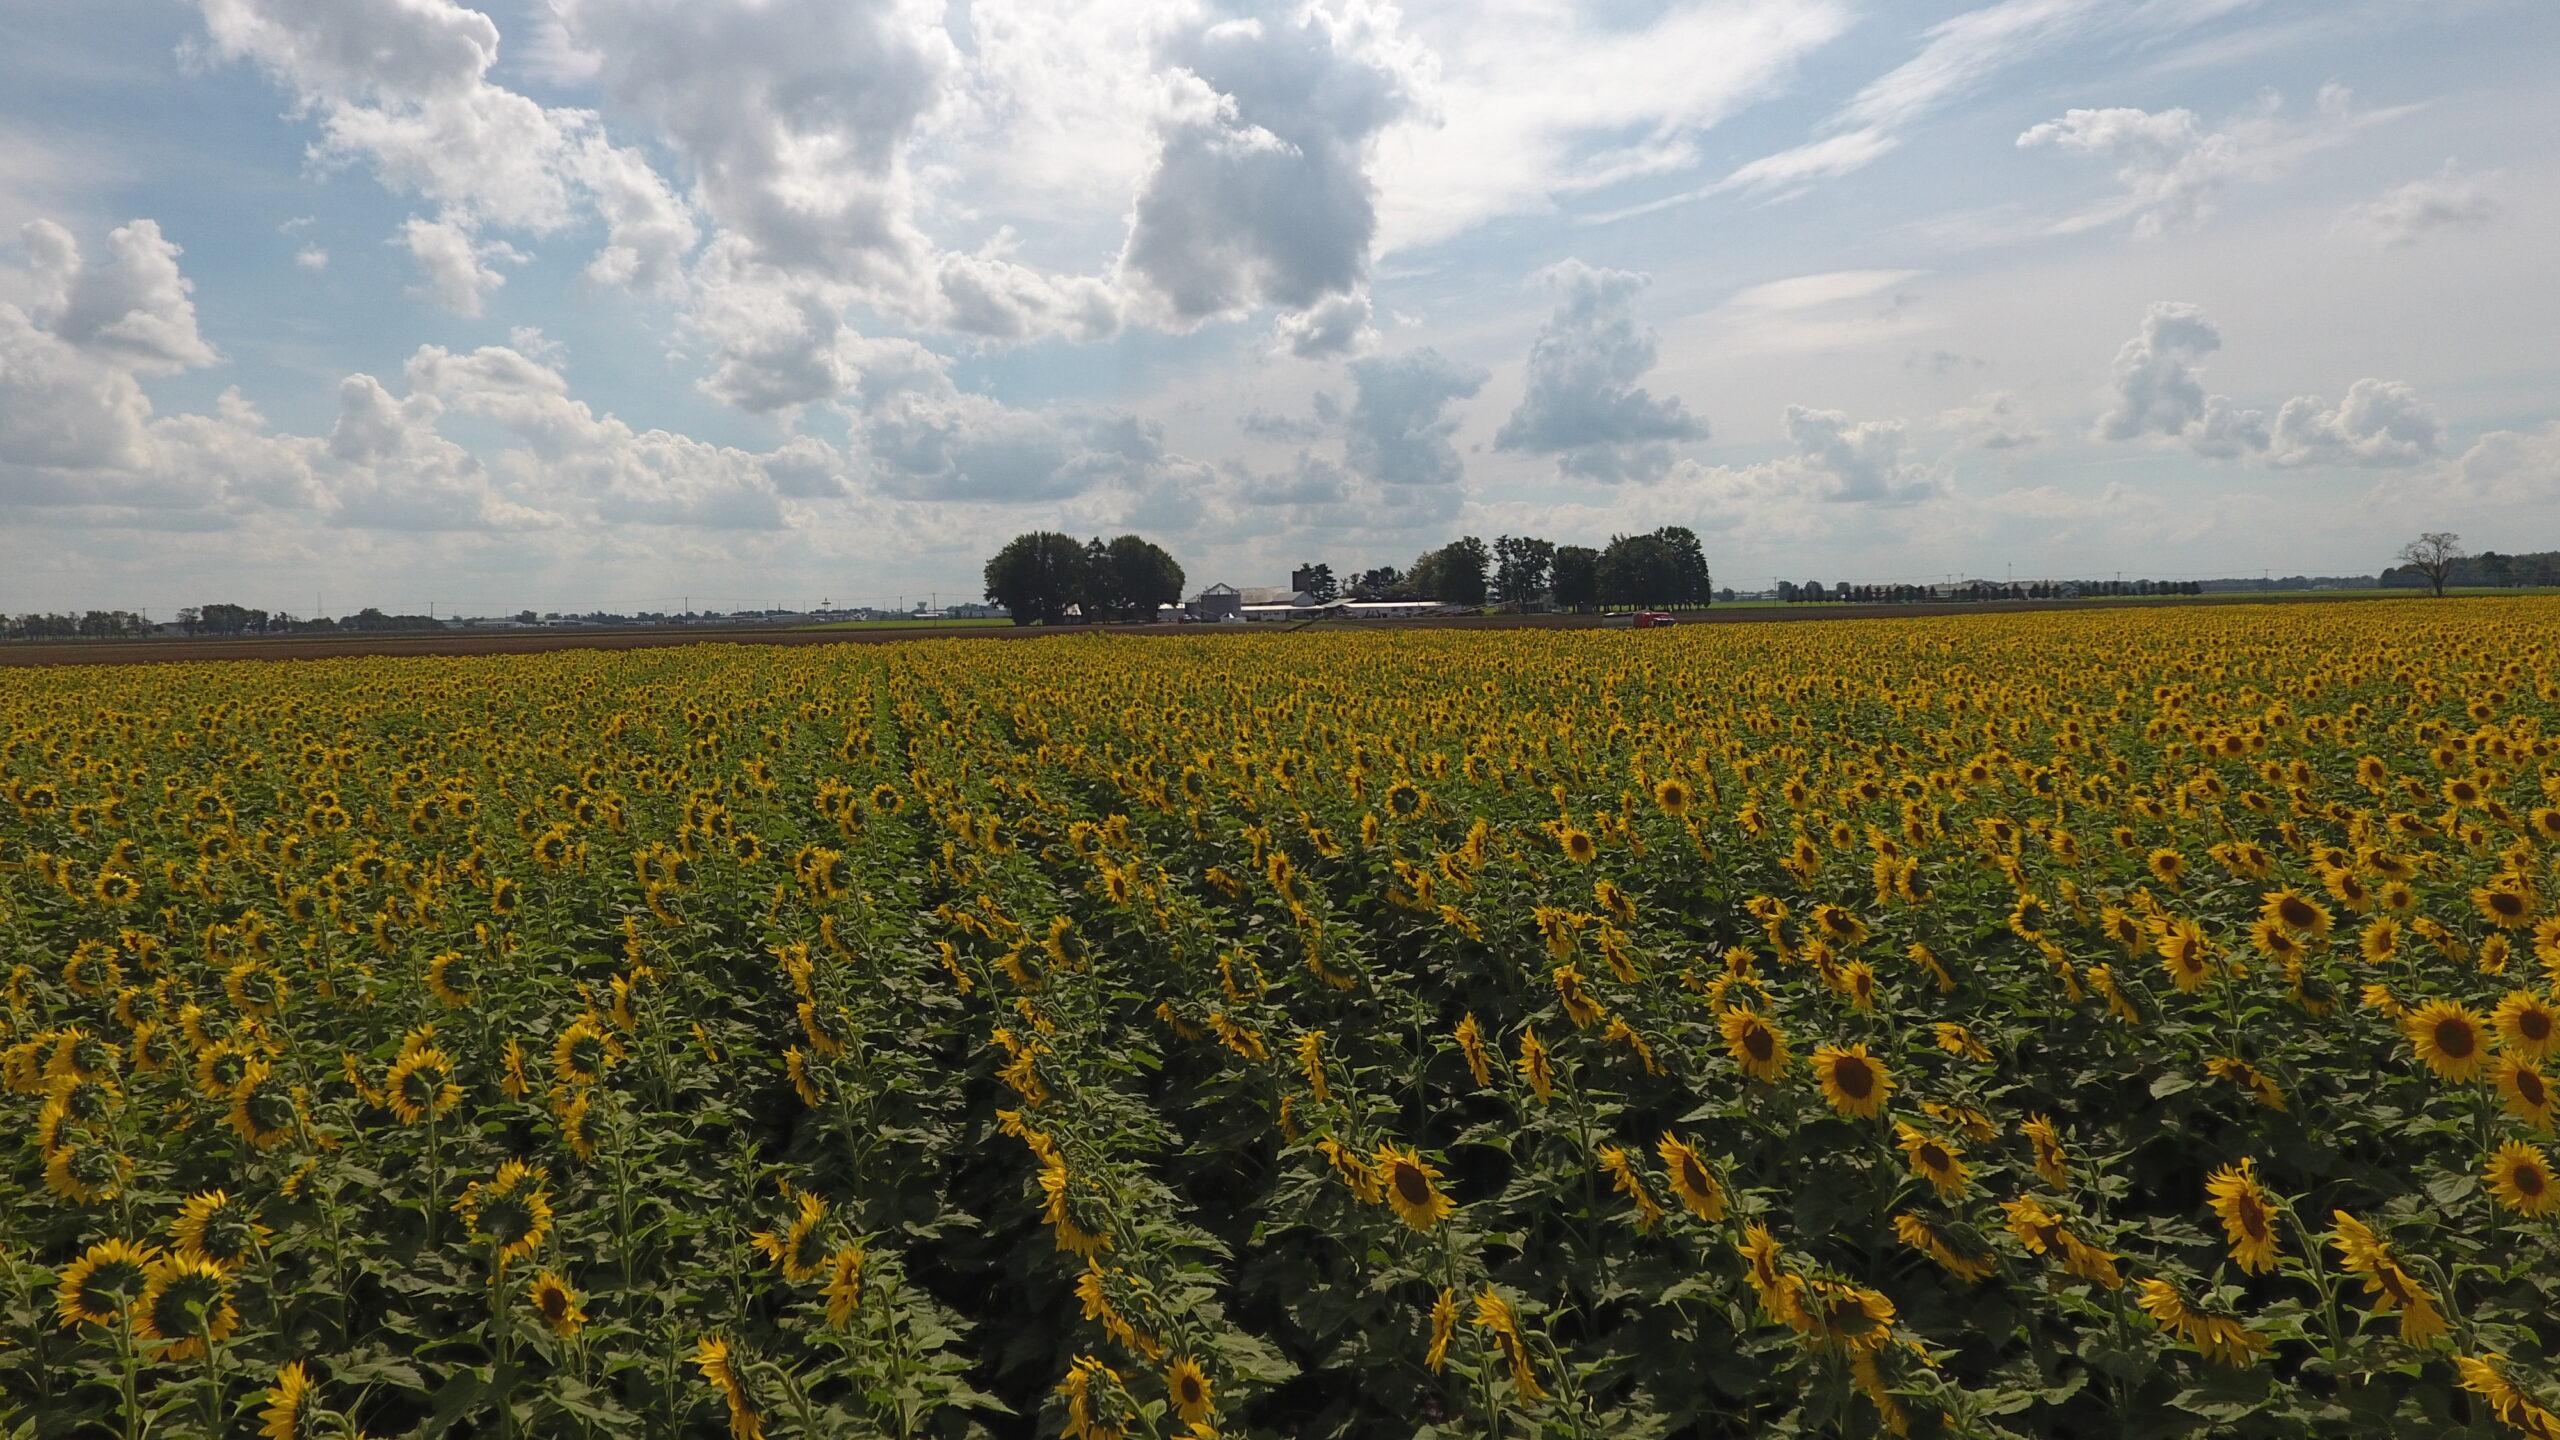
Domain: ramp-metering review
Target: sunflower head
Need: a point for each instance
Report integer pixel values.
(2520, 1179)
(2448, 1038)
(186, 1305)
(96, 1288)
(214, 1227)
(556, 1303)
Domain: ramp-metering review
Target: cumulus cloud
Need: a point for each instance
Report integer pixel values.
(791, 115)
(2448, 200)
(1398, 432)
(1260, 192)
(1859, 462)
(454, 264)
(2501, 468)
(133, 309)
(1336, 325)
(2175, 171)
(2379, 423)
(2157, 391)
(2156, 387)
(1582, 403)
(312, 258)
(404, 85)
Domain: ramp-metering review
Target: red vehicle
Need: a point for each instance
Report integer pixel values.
(1637, 619)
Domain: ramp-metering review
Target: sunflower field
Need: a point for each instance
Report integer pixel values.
(2132, 1023)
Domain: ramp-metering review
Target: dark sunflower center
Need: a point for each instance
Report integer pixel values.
(1412, 1186)
(1934, 1158)
(555, 1302)
(1760, 1043)
(1692, 1176)
(1854, 1076)
(2530, 1088)
(2527, 1180)
(2295, 911)
(2455, 1039)
(2253, 1218)
(2534, 1025)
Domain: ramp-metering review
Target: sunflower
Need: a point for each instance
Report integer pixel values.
(2298, 913)
(1691, 1180)
(2168, 866)
(1672, 796)
(2523, 1089)
(1577, 844)
(1854, 1083)
(1756, 1044)
(2221, 1339)
(1917, 1233)
(582, 1051)
(556, 1301)
(712, 1358)
(1403, 800)
(796, 1248)
(511, 1213)
(214, 1227)
(2527, 1025)
(1471, 1044)
(1493, 1316)
(2052, 1162)
(186, 1304)
(1186, 1385)
(1933, 1160)
(449, 977)
(86, 1170)
(2519, 1177)
(2393, 1289)
(1535, 1067)
(98, 1287)
(1444, 1327)
(2185, 954)
(1412, 1188)
(290, 1413)
(2503, 905)
(421, 1086)
(2447, 1037)
(2248, 1221)
(843, 1290)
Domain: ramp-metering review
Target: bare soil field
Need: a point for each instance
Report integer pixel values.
(518, 642)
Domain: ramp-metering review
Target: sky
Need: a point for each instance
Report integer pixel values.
(620, 304)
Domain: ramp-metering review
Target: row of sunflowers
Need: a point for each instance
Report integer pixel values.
(2023, 1025)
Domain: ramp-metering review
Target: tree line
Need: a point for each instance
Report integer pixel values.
(1659, 567)
(1814, 592)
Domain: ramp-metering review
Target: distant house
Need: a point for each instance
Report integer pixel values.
(1219, 602)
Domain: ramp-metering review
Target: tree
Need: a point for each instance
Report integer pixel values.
(1317, 582)
(1036, 577)
(2433, 555)
(1523, 568)
(1697, 584)
(1576, 575)
(1639, 570)
(1454, 574)
(1128, 579)
(1384, 583)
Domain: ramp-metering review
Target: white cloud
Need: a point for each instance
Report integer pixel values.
(2156, 387)
(312, 258)
(1857, 462)
(2174, 171)
(1260, 192)
(404, 85)
(2379, 423)
(1582, 404)
(2503, 468)
(1399, 430)
(1522, 103)
(454, 268)
(1336, 325)
(2157, 391)
(133, 309)
(2446, 201)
